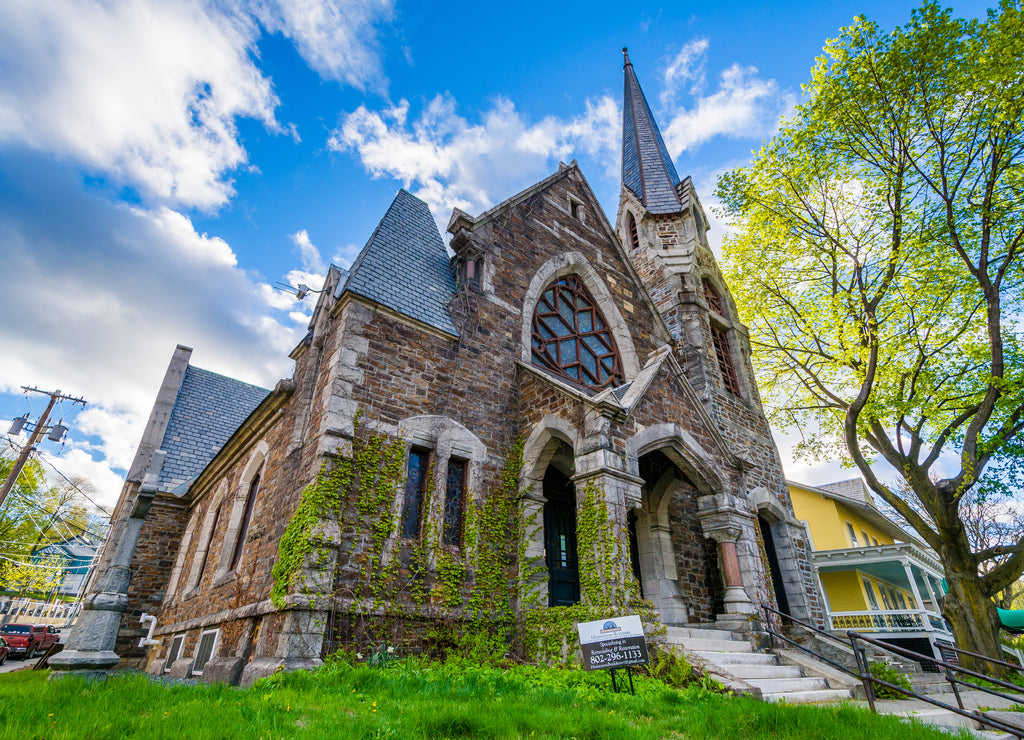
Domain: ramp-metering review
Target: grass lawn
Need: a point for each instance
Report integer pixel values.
(410, 700)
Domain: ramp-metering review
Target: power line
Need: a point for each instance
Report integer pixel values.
(59, 517)
(70, 482)
(36, 565)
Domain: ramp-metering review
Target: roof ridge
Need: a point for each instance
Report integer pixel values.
(226, 377)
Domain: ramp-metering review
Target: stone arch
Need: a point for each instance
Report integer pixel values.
(179, 562)
(542, 444)
(768, 506)
(682, 449)
(683, 464)
(574, 263)
(447, 440)
(541, 451)
(206, 534)
(252, 466)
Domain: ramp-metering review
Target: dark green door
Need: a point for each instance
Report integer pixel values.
(560, 540)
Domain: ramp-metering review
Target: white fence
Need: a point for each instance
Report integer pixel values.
(37, 612)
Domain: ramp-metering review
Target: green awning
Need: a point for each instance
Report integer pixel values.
(1012, 619)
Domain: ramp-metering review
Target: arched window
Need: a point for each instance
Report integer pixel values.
(634, 236)
(243, 529)
(570, 336)
(713, 297)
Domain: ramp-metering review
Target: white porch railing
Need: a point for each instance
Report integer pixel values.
(37, 612)
(896, 620)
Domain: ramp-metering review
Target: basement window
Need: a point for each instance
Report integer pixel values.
(174, 652)
(207, 643)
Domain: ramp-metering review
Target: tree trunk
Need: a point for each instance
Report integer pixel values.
(973, 618)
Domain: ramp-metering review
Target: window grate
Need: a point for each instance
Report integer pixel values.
(724, 355)
(713, 297)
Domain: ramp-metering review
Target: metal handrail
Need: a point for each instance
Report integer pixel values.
(868, 680)
(1005, 664)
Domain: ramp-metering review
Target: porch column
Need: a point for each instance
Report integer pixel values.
(736, 599)
(931, 591)
(917, 593)
(725, 521)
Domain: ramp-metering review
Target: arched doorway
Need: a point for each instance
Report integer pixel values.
(774, 569)
(560, 538)
(669, 556)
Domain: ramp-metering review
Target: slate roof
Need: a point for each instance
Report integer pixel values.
(647, 168)
(208, 410)
(404, 265)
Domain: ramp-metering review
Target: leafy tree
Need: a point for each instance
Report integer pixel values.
(33, 516)
(878, 266)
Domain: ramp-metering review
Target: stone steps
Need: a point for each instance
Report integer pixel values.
(764, 670)
(809, 697)
(695, 644)
(733, 660)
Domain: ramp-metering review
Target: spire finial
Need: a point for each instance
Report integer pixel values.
(626, 62)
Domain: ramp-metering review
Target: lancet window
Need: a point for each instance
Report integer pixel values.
(571, 338)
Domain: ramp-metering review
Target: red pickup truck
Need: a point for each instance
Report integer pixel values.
(26, 640)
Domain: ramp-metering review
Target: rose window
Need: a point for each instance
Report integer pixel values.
(571, 338)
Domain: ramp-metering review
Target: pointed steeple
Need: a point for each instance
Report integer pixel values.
(647, 168)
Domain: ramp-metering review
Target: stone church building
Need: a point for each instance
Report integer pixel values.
(611, 351)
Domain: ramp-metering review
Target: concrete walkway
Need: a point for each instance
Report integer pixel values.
(932, 715)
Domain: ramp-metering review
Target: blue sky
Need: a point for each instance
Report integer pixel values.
(164, 164)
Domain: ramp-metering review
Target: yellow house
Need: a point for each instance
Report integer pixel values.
(875, 577)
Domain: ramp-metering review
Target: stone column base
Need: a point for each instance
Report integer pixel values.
(92, 665)
(262, 667)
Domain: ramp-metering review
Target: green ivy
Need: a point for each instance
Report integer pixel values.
(492, 592)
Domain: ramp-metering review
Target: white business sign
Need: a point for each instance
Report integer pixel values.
(617, 642)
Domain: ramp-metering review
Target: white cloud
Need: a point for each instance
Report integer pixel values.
(337, 39)
(744, 105)
(454, 163)
(311, 259)
(101, 319)
(687, 67)
(147, 93)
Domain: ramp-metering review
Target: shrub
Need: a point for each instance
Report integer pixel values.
(885, 672)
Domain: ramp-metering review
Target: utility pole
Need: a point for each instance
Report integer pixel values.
(38, 431)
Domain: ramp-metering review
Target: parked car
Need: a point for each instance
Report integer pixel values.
(25, 640)
(4, 650)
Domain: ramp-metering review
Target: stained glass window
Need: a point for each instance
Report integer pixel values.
(415, 483)
(570, 336)
(451, 533)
